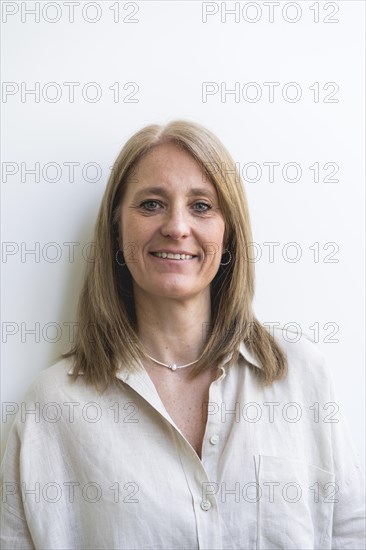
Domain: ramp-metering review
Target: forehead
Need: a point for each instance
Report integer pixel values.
(169, 163)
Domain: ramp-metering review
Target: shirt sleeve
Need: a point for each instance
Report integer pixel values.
(348, 529)
(15, 534)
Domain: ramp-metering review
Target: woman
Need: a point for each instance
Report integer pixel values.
(177, 421)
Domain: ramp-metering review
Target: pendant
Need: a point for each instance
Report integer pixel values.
(173, 367)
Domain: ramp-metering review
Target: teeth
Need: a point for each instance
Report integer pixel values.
(173, 256)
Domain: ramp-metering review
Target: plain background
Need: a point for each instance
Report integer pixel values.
(168, 51)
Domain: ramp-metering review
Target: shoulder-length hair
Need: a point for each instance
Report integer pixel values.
(107, 335)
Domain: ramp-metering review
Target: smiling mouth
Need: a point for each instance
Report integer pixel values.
(171, 256)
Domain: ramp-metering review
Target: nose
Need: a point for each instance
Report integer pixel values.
(175, 223)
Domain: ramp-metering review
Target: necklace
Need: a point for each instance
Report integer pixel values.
(173, 366)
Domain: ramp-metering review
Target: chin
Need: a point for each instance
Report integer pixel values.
(174, 293)
(174, 289)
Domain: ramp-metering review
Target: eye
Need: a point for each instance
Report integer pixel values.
(205, 205)
(145, 205)
(151, 206)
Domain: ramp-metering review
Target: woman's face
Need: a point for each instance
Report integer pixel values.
(169, 206)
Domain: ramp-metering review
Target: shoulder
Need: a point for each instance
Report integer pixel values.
(51, 402)
(297, 344)
(307, 364)
(54, 384)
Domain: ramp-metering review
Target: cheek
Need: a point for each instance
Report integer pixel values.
(218, 232)
(213, 244)
(131, 227)
(136, 233)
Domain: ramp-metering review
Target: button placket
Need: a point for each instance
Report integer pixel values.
(205, 505)
(213, 424)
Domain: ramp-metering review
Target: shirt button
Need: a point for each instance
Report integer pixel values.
(205, 505)
(214, 439)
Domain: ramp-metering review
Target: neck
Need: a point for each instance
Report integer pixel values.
(173, 331)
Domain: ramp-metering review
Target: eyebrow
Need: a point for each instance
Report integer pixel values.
(195, 191)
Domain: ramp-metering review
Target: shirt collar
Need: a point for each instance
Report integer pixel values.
(243, 351)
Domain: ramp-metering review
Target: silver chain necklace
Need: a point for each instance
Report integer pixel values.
(173, 366)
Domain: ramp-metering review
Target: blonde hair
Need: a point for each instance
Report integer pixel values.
(107, 334)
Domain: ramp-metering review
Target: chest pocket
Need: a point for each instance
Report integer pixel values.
(295, 504)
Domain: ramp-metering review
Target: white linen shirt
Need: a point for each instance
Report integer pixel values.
(84, 470)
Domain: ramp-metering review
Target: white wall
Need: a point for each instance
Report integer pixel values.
(169, 51)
